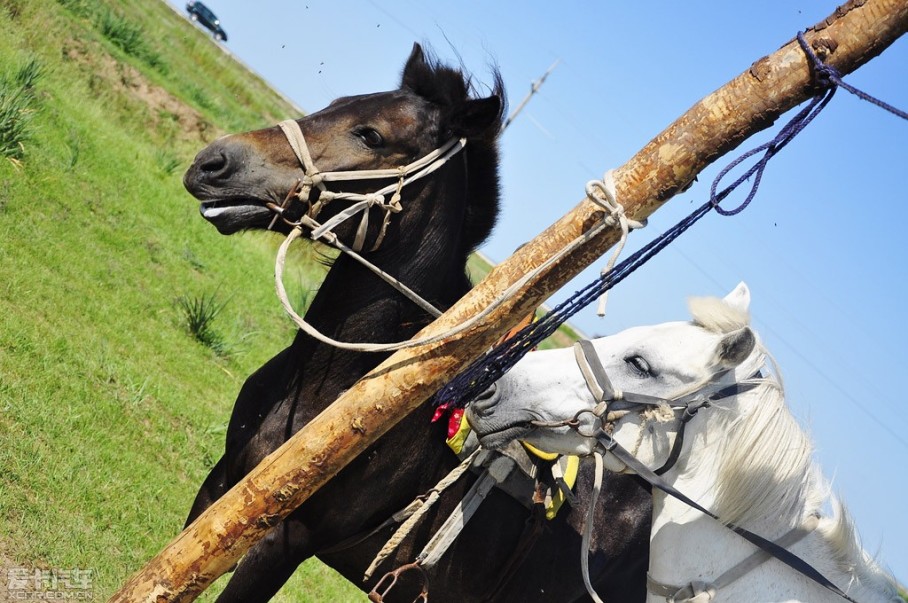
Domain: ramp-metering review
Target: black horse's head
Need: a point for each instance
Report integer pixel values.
(237, 177)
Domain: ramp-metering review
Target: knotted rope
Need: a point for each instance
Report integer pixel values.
(603, 193)
(829, 76)
(417, 509)
(488, 369)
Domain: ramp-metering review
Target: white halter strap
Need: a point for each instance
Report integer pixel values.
(404, 175)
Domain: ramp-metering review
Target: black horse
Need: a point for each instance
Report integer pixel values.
(445, 217)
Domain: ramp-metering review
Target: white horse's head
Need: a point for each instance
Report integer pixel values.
(670, 361)
(757, 472)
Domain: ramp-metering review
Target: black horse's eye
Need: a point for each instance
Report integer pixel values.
(370, 137)
(639, 365)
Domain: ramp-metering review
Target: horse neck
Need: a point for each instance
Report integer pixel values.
(748, 461)
(682, 539)
(686, 545)
(701, 549)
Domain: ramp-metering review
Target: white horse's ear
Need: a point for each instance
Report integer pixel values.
(736, 347)
(739, 298)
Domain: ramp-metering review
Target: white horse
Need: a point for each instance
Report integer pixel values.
(744, 457)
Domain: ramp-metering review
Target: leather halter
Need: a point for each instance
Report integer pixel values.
(597, 380)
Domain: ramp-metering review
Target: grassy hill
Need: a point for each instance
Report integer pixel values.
(111, 411)
(112, 408)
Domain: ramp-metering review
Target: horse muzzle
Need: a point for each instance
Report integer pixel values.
(235, 185)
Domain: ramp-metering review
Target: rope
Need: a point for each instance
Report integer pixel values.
(332, 239)
(488, 369)
(429, 339)
(603, 193)
(827, 76)
(404, 175)
(615, 217)
(485, 371)
(406, 527)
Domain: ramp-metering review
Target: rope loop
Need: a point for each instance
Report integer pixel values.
(769, 150)
(825, 75)
(828, 77)
(604, 194)
(394, 205)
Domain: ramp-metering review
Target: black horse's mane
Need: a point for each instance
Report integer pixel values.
(450, 88)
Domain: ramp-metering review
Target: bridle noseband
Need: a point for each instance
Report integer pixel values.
(315, 179)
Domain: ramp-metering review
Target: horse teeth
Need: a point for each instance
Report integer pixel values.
(211, 212)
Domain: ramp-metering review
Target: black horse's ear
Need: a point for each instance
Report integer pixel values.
(476, 117)
(416, 64)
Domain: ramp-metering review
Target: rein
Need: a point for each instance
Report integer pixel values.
(606, 395)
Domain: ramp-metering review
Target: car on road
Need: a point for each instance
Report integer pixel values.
(202, 14)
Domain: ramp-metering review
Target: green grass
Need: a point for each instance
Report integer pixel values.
(111, 411)
(199, 313)
(129, 37)
(17, 106)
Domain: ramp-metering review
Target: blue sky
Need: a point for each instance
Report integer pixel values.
(822, 246)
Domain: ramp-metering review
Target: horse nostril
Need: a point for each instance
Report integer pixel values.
(212, 167)
(213, 164)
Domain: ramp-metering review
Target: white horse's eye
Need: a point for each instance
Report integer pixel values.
(639, 365)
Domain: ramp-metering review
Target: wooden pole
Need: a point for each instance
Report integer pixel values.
(855, 33)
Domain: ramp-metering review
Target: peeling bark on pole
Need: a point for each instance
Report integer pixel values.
(854, 34)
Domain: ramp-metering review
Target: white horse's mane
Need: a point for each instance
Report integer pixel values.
(714, 314)
(764, 434)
